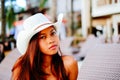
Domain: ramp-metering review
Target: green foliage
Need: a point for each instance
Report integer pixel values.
(42, 3)
(10, 16)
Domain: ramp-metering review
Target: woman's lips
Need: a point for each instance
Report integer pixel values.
(53, 47)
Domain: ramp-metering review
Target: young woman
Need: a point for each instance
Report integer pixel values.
(42, 58)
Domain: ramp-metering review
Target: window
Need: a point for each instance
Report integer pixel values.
(110, 1)
(116, 1)
(101, 3)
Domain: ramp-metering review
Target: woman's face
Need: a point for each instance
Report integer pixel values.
(48, 41)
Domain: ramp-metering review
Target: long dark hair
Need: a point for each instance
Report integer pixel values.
(29, 65)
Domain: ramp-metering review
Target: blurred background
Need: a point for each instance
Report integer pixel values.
(85, 23)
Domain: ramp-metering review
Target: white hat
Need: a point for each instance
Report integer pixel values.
(33, 25)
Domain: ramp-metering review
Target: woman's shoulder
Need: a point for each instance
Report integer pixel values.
(69, 61)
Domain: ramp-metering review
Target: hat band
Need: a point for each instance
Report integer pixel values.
(41, 25)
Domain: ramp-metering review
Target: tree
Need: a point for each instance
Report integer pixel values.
(10, 16)
(3, 20)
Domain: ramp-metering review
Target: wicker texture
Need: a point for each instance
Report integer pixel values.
(102, 63)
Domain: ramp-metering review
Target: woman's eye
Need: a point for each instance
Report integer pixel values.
(53, 33)
(42, 37)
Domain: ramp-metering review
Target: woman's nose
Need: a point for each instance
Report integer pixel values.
(51, 40)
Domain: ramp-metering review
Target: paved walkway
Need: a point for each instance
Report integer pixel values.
(7, 64)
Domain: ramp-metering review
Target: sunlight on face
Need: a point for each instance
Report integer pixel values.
(48, 41)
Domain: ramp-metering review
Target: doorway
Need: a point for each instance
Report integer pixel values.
(118, 28)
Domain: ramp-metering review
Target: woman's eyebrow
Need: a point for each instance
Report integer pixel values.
(52, 30)
(41, 34)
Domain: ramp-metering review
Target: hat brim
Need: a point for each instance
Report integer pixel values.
(25, 36)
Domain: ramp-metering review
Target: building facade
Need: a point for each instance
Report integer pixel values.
(106, 13)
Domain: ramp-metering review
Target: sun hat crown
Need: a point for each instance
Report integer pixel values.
(35, 21)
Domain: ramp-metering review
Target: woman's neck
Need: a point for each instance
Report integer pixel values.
(47, 60)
